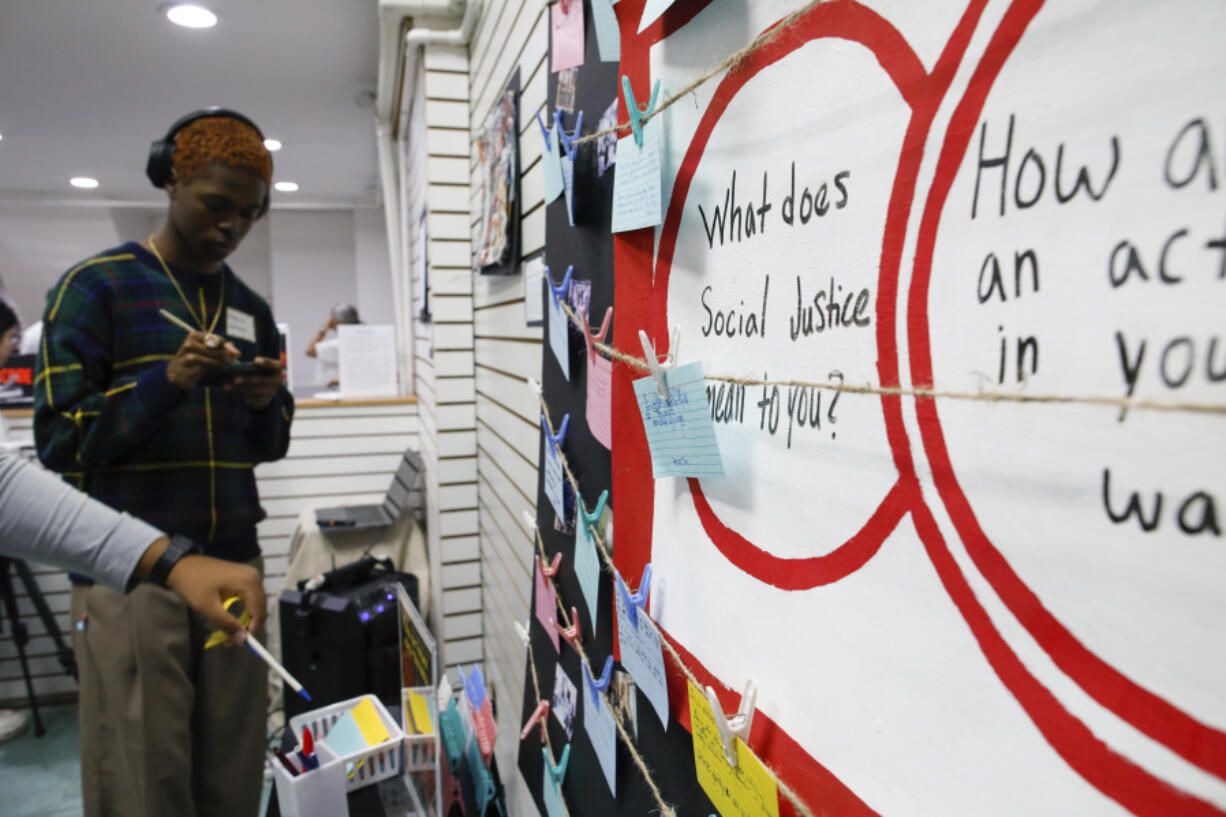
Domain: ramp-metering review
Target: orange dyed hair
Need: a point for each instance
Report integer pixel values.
(220, 139)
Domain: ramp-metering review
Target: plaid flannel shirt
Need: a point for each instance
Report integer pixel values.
(106, 414)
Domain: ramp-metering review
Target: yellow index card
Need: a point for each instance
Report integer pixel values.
(370, 723)
(419, 711)
(745, 791)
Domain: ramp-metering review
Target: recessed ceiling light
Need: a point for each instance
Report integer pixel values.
(286, 187)
(190, 15)
(272, 144)
(83, 182)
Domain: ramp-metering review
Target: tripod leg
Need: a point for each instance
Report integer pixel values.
(21, 637)
(68, 659)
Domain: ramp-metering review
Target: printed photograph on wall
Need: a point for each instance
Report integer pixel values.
(498, 161)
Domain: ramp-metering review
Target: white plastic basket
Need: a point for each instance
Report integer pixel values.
(317, 793)
(420, 750)
(375, 763)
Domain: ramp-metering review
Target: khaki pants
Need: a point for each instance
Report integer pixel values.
(167, 729)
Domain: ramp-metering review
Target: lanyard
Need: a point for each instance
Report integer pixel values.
(199, 319)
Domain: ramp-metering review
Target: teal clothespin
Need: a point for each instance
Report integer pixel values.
(557, 771)
(593, 518)
(637, 114)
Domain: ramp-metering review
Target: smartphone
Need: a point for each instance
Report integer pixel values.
(224, 374)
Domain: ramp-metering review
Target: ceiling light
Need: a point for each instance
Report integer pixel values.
(286, 187)
(83, 182)
(189, 15)
(272, 144)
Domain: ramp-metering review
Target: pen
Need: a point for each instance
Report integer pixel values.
(258, 648)
(176, 320)
(285, 762)
(309, 761)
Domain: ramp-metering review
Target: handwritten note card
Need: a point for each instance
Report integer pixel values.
(587, 568)
(599, 398)
(550, 792)
(550, 167)
(559, 335)
(745, 791)
(566, 22)
(652, 11)
(547, 607)
(608, 35)
(679, 429)
(568, 185)
(642, 656)
(601, 731)
(637, 185)
(555, 480)
(534, 274)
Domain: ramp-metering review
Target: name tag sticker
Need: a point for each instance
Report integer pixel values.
(239, 324)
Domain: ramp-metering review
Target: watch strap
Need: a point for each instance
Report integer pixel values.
(179, 547)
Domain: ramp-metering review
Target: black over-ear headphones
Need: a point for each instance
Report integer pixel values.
(162, 151)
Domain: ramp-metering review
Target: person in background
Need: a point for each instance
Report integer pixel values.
(146, 413)
(10, 335)
(327, 352)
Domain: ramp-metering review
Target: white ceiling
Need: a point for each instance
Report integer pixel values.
(86, 85)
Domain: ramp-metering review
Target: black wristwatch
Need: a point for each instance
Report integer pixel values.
(179, 547)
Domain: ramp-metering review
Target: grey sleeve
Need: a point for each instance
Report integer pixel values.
(44, 519)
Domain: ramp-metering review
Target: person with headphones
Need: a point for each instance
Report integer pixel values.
(158, 388)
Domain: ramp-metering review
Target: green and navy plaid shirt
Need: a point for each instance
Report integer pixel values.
(106, 414)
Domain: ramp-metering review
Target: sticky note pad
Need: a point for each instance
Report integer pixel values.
(638, 183)
(370, 723)
(550, 167)
(566, 24)
(587, 569)
(419, 714)
(608, 35)
(599, 398)
(679, 430)
(601, 731)
(345, 737)
(559, 333)
(642, 655)
(748, 790)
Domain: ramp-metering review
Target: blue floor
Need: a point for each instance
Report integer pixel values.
(41, 777)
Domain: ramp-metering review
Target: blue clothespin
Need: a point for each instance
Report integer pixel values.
(557, 770)
(591, 519)
(568, 140)
(544, 130)
(634, 601)
(556, 439)
(637, 114)
(600, 686)
(474, 686)
(559, 291)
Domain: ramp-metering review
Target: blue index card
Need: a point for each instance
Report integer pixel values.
(554, 479)
(587, 568)
(601, 731)
(568, 185)
(550, 166)
(559, 334)
(638, 184)
(679, 429)
(652, 11)
(642, 655)
(608, 35)
(345, 737)
(552, 795)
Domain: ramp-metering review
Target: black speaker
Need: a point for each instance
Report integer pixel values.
(340, 636)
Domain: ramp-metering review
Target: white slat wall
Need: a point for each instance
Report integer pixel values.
(512, 34)
(435, 150)
(338, 455)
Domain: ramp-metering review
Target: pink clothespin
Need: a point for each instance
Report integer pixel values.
(590, 337)
(539, 716)
(571, 633)
(553, 568)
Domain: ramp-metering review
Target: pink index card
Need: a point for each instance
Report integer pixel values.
(547, 606)
(599, 396)
(566, 20)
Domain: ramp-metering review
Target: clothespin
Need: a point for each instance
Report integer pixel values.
(559, 292)
(636, 113)
(634, 601)
(591, 519)
(653, 360)
(529, 519)
(521, 631)
(534, 386)
(569, 139)
(590, 337)
(554, 567)
(739, 724)
(557, 770)
(474, 686)
(600, 686)
(445, 693)
(546, 132)
(571, 633)
(556, 439)
(539, 716)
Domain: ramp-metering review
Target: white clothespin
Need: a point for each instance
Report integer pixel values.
(529, 520)
(738, 725)
(521, 631)
(445, 693)
(536, 387)
(653, 360)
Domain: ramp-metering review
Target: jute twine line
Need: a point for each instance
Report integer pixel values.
(536, 685)
(801, 807)
(732, 61)
(1124, 404)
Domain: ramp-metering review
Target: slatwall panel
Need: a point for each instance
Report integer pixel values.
(511, 34)
(435, 151)
(338, 455)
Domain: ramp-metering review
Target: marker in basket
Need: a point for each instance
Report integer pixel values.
(285, 761)
(309, 760)
(258, 648)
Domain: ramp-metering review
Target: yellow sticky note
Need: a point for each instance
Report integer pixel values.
(745, 791)
(419, 712)
(370, 723)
